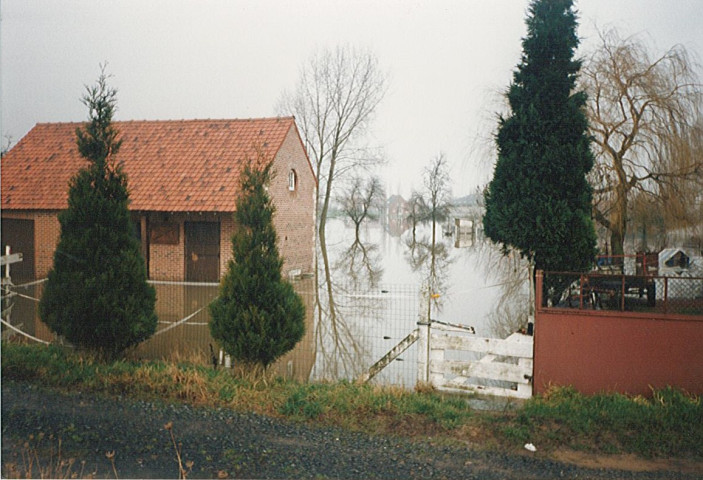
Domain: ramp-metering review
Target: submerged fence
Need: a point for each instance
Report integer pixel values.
(346, 333)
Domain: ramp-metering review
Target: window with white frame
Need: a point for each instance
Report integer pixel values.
(292, 180)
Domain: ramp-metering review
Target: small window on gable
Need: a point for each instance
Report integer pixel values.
(292, 180)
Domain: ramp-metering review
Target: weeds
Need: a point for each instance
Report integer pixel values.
(32, 461)
(111, 456)
(182, 472)
(669, 423)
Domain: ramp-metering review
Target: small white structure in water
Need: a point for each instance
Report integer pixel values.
(463, 232)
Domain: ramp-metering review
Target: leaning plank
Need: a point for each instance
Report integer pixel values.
(495, 370)
(492, 346)
(403, 345)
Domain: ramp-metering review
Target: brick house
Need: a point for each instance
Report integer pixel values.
(183, 178)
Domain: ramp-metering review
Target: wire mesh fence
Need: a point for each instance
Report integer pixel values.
(346, 332)
(621, 292)
(356, 327)
(20, 313)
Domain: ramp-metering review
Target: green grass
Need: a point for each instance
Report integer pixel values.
(668, 424)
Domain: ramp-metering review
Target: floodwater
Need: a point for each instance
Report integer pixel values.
(468, 294)
(378, 295)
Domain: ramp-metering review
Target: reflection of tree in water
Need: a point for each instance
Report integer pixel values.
(429, 254)
(509, 274)
(432, 261)
(360, 265)
(342, 301)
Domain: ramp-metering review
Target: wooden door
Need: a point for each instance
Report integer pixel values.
(202, 244)
(19, 235)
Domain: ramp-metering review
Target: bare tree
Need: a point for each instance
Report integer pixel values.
(645, 119)
(418, 212)
(362, 199)
(7, 144)
(334, 103)
(431, 206)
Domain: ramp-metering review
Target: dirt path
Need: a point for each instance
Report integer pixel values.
(225, 444)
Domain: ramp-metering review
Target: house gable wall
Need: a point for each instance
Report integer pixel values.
(295, 209)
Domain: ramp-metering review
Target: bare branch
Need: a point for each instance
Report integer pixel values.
(645, 117)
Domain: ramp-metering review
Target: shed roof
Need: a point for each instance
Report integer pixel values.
(171, 165)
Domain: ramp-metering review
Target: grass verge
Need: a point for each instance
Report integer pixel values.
(669, 424)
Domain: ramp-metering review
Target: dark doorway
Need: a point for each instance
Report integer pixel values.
(19, 235)
(202, 243)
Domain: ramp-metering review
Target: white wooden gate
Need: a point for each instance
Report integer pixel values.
(500, 367)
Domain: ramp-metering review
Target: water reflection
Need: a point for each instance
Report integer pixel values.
(431, 261)
(509, 276)
(377, 291)
(340, 349)
(360, 265)
(366, 297)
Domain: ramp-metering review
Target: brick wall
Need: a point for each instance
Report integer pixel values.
(227, 227)
(294, 221)
(166, 259)
(295, 210)
(47, 231)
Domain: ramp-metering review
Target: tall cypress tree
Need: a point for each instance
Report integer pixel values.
(539, 200)
(97, 296)
(257, 316)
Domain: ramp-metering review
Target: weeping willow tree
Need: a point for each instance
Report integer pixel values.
(645, 116)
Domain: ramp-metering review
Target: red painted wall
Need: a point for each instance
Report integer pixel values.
(597, 351)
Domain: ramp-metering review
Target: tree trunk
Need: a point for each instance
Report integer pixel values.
(618, 222)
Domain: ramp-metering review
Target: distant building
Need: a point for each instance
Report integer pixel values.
(183, 178)
(398, 215)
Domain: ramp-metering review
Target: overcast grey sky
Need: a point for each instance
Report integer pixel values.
(446, 61)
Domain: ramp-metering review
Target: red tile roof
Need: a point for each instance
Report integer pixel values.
(175, 166)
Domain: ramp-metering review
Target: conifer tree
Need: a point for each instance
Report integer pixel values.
(539, 200)
(96, 295)
(257, 316)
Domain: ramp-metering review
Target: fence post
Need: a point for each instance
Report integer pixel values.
(7, 265)
(538, 290)
(423, 347)
(424, 325)
(436, 358)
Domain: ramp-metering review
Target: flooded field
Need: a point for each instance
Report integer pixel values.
(375, 295)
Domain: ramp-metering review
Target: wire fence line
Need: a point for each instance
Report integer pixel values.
(340, 342)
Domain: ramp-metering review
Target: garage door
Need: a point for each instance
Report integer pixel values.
(202, 245)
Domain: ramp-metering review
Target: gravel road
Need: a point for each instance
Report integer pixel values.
(225, 444)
